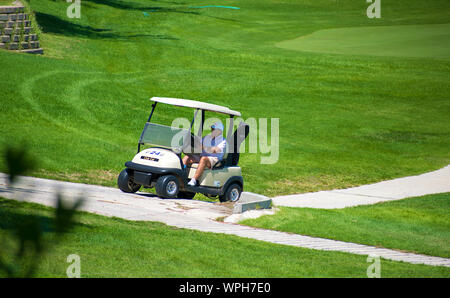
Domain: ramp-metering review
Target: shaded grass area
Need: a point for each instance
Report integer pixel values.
(112, 247)
(419, 225)
(345, 120)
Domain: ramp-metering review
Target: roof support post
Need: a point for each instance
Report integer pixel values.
(151, 113)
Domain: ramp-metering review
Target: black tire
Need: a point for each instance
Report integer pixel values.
(126, 183)
(167, 186)
(186, 195)
(233, 193)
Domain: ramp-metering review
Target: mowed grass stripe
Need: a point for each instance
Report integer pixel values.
(427, 41)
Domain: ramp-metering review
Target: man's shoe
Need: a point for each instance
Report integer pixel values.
(193, 182)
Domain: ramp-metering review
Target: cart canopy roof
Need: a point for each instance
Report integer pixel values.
(195, 105)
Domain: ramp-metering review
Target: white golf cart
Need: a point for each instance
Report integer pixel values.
(160, 164)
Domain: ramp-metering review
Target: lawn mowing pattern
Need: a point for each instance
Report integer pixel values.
(345, 120)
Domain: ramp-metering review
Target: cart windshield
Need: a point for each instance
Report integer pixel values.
(163, 136)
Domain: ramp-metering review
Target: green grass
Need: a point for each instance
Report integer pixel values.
(429, 41)
(419, 225)
(345, 120)
(111, 247)
(5, 2)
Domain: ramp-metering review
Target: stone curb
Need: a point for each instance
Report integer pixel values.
(251, 201)
(12, 9)
(33, 51)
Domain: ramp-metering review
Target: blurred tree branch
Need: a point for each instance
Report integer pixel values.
(27, 230)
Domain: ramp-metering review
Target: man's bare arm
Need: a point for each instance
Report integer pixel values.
(212, 149)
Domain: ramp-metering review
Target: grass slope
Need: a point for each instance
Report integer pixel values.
(419, 225)
(111, 247)
(345, 120)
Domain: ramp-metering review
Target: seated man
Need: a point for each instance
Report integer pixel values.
(213, 149)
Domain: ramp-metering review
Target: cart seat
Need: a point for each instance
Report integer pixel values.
(232, 159)
(195, 165)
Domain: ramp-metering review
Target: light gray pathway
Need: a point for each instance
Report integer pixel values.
(396, 189)
(111, 201)
(188, 214)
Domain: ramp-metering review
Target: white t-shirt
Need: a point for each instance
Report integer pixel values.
(219, 142)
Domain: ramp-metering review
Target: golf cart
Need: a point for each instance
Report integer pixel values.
(160, 165)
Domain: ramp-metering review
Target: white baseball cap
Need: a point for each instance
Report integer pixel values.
(217, 125)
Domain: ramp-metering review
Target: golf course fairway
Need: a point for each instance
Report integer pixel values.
(430, 40)
(362, 101)
(355, 101)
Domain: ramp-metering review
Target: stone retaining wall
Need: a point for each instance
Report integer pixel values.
(16, 33)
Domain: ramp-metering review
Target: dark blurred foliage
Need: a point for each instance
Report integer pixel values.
(28, 237)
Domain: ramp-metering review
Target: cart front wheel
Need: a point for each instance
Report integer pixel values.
(167, 186)
(126, 183)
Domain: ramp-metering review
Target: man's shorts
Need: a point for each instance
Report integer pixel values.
(212, 159)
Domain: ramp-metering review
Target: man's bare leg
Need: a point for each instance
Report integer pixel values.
(187, 160)
(204, 162)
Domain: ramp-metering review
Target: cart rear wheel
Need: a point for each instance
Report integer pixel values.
(126, 183)
(233, 193)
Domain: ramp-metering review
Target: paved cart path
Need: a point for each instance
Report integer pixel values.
(396, 189)
(188, 214)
